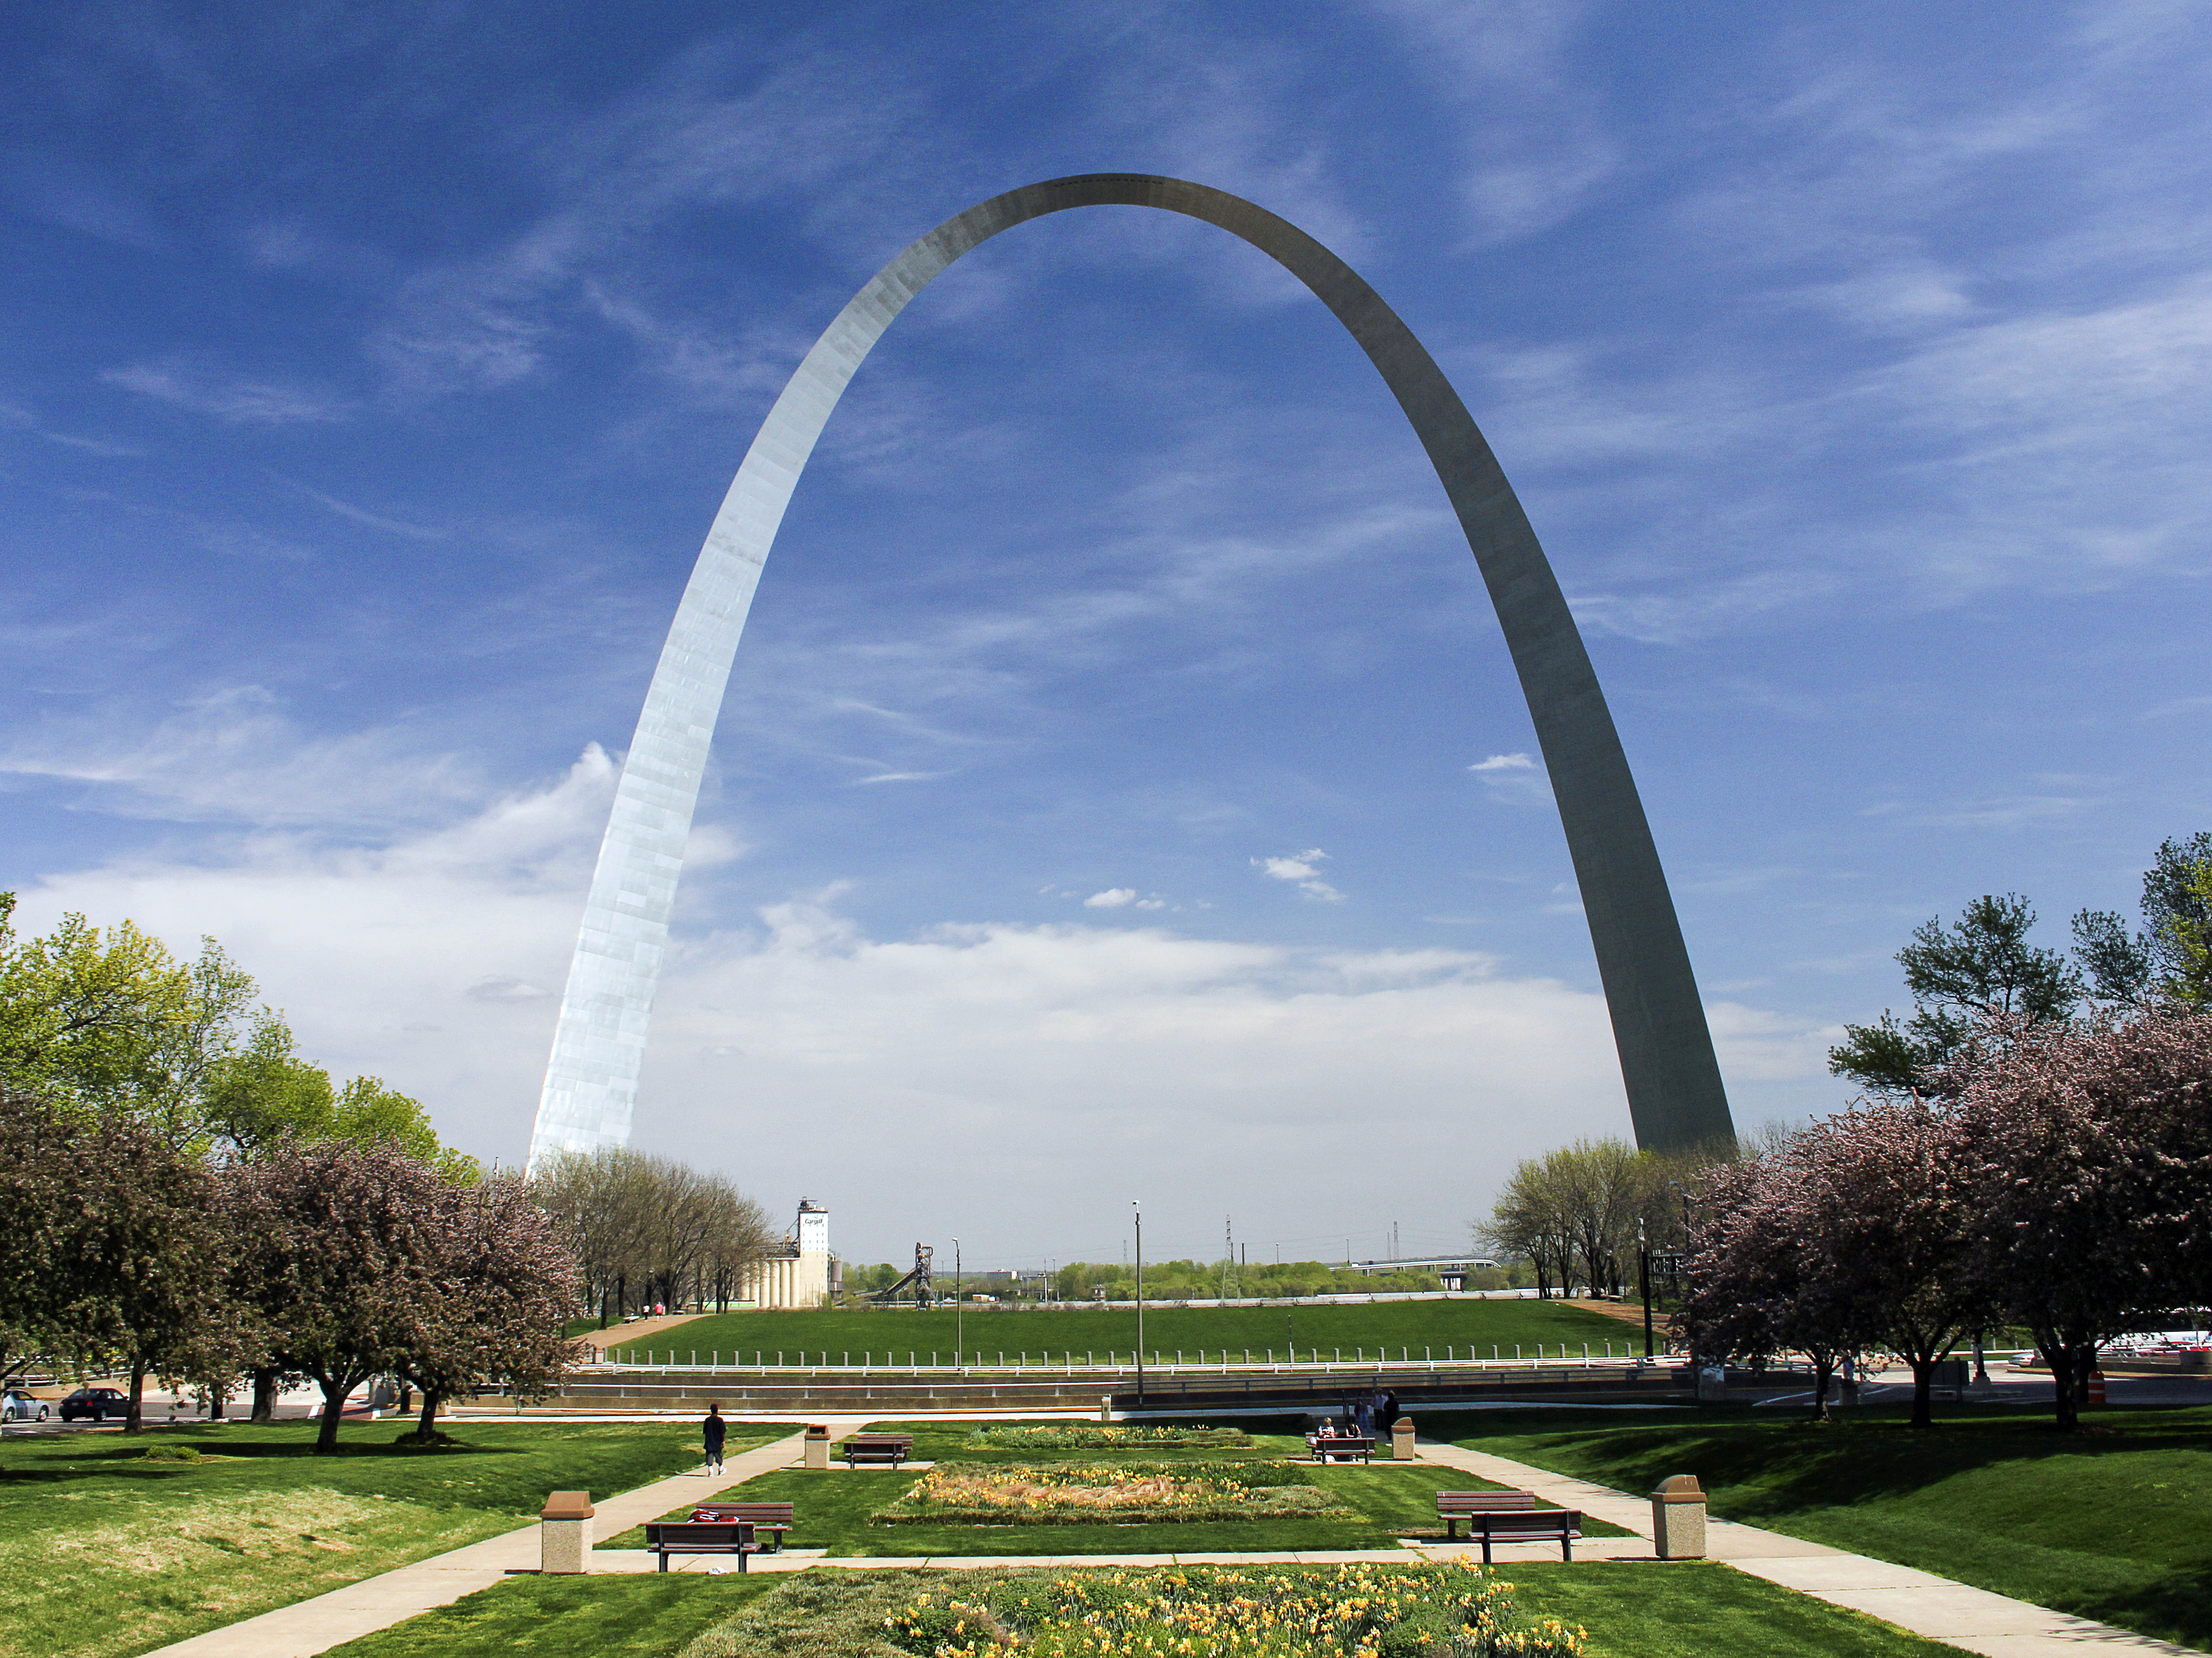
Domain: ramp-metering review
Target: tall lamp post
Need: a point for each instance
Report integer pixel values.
(1644, 1277)
(1137, 1209)
(959, 1307)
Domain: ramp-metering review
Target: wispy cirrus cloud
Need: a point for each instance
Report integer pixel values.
(235, 399)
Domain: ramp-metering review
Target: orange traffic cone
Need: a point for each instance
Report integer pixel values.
(2096, 1387)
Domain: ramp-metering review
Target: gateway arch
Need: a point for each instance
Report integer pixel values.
(1673, 1083)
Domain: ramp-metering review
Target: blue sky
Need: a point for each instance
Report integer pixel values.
(1122, 790)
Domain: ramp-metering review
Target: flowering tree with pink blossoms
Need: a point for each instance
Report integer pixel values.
(2090, 1153)
(1761, 1283)
(1857, 1233)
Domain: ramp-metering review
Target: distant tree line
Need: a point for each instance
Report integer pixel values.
(1578, 1215)
(188, 1199)
(645, 1230)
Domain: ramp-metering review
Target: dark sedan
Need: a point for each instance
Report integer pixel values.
(97, 1403)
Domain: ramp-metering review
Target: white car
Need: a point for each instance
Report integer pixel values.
(16, 1405)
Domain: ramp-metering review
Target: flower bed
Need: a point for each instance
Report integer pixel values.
(1129, 1493)
(1104, 1436)
(1211, 1612)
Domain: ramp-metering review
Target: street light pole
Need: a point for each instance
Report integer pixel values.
(959, 1308)
(1643, 1278)
(1137, 1209)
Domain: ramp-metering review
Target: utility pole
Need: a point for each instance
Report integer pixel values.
(1228, 1259)
(959, 1308)
(1137, 1209)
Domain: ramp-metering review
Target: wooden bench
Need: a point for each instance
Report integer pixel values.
(893, 1449)
(667, 1537)
(1345, 1446)
(1508, 1517)
(1452, 1507)
(774, 1518)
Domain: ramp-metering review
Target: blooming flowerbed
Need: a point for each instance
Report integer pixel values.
(1129, 1493)
(1104, 1436)
(1435, 1611)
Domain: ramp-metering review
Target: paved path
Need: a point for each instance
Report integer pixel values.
(639, 1331)
(1973, 1619)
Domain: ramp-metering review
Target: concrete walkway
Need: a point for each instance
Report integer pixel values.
(1973, 1619)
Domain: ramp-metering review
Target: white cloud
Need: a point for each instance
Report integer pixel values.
(1112, 898)
(233, 398)
(1013, 1073)
(1515, 779)
(1532, 130)
(237, 756)
(1304, 869)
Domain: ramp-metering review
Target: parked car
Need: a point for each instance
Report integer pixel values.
(97, 1403)
(16, 1405)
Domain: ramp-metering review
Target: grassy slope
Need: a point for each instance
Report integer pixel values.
(1671, 1612)
(2108, 1524)
(103, 1553)
(1411, 1325)
(831, 1510)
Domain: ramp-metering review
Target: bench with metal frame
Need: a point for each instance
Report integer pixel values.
(1347, 1446)
(667, 1537)
(894, 1448)
(1508, 1517)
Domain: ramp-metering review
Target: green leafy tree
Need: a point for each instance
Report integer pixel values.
(2171, 959)
(1981, 967)
(265, 1093)
(111, 1021)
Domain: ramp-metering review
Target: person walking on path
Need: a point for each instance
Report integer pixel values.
(716, 1430)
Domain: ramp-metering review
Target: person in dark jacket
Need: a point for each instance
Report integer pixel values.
(716, 1430)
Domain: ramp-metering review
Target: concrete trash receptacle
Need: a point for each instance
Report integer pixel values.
(1105, 1407)
(1678, 1518)
(1401, 1439)
(564, 1533)
(817, 1445)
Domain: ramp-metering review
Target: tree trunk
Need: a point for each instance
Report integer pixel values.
(2060, 1358)
(264, 1395)
(335, 1390)
(429, 1425)
(130, 1422)
(1824, 1368)
(1924, 1392)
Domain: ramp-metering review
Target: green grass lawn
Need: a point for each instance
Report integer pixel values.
(1394, 1326)
(568, 1618)
(831, 1510)
(1686, 1610)
(2110, 1523)
(104, 1553)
